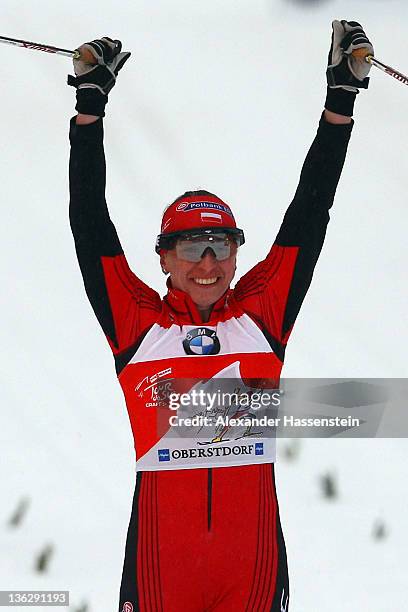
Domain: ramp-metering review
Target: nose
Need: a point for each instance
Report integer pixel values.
(208, 251)
(208, 260)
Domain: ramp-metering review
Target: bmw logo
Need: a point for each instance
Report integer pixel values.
(201, 341)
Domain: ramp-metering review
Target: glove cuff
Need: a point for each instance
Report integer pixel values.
(90, 101)
(340, 101)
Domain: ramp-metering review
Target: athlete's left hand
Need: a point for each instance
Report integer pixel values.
(96, 71)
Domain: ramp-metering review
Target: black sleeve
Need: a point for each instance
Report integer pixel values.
(122, 303)
(307, 215)
(273, 291)
(305, 222)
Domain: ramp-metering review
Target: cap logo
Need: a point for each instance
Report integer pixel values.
(188, 206)
(182, 205)
(166, 225)
(210, 217)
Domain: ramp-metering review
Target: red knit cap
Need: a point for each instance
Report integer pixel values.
(195, 212)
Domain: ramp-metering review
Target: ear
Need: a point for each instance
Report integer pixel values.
(163, 262)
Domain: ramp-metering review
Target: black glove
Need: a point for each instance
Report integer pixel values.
(94, 81)
(346, 74)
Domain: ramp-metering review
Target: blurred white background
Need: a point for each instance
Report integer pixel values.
(223, 95)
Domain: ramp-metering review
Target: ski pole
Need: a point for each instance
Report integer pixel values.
(362, 53)
(84, 54)
(391, 71)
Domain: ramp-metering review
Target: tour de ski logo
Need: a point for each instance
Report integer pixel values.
(201, 341)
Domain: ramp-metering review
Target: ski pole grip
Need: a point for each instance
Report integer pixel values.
(362, 54)
(85, 55)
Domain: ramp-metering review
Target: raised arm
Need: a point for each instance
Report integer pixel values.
(273, 291)
(124, 306)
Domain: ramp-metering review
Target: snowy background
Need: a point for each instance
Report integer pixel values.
(223, 95)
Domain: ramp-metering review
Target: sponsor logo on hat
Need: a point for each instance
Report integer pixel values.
(201, 341)
(127, 607)
(182, 205)
(188, 206)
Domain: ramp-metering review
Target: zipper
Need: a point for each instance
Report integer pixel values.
(209, 498)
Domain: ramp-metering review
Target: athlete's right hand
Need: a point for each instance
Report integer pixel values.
(345, 70)
(96, 71)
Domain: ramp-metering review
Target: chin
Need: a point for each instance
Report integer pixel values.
(210, 298)
(206, 296)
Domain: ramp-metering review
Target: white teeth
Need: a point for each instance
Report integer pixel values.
(205, 281)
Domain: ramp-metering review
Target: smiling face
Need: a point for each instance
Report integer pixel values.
(205, 281)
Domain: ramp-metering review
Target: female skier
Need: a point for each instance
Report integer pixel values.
(204, 532)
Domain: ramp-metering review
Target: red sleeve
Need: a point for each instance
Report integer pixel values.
(133, 305)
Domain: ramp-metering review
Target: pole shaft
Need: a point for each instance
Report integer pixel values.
(387, 69)
(38, 46)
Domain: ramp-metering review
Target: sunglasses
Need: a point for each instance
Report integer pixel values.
(193, 248)
(192, 245)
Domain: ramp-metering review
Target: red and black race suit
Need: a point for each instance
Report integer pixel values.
(205, 531)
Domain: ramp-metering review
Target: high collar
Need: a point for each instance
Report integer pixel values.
(187, 312)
